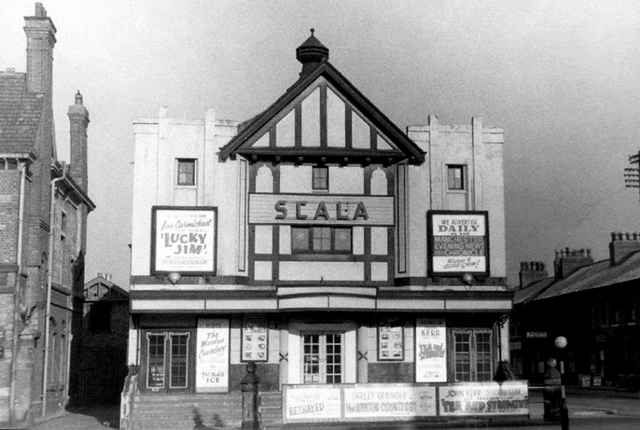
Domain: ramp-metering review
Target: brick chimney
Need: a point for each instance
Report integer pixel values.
(41, 38)
(79, 119)
(569, 260)
(622, 245)
(532, 271)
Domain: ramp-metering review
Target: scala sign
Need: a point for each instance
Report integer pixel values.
(458, 243)
(320, 209)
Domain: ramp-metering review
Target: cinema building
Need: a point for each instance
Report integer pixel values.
(351, 261)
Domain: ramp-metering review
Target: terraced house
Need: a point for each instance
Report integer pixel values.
(360, 267)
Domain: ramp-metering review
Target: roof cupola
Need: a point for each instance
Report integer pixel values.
(311, 53)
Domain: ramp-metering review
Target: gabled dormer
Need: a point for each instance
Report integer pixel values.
(322, 118)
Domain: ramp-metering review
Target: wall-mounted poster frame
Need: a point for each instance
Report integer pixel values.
(255, 338)
(458, 243)
(184, 239)
(390, 341)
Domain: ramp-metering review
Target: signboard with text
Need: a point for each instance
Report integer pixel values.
(320, 209)
(458, 243)
(212, 355)
(431, 350)
(183, 240)
(484, 398)
(357, 402)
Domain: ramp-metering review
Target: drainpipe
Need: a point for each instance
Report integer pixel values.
(45, 373)
(16, 298)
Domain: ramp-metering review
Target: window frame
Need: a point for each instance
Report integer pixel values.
(320, 182)
(474, 361)
(179, 173)
(452, 181)
(311, 239)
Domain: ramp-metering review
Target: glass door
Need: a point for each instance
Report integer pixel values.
(167, 361)
(323, 358)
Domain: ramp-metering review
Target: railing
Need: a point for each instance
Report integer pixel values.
(129, 391)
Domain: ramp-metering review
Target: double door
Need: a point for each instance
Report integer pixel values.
(323, 357)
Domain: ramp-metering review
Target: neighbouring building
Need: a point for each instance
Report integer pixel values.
(593, 305)
(103, 363)
(43, 221)
(360, 267)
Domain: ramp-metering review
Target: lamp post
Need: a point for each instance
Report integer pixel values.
(561, 342)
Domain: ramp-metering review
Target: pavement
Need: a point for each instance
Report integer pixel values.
(585, 405)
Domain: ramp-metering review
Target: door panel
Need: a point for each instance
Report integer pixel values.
(322, 358)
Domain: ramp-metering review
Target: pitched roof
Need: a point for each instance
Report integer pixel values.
(597, 275)
(20, 114)
(347, 90)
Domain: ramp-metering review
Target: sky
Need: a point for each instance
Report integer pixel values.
(562, 78)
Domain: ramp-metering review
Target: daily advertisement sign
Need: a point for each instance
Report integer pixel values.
(212, 355)
(431, 350)
(184, 240)
(458, 243)
(484, 398)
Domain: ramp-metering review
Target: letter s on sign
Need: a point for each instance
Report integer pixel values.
(281, 209)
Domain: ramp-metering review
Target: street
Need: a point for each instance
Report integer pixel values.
(588, 409)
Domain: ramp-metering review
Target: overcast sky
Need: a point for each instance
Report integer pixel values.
(561, 78)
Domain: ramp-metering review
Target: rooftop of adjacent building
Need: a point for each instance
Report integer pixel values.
(575, 270)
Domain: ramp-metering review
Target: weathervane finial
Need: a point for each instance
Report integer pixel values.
(312, 30)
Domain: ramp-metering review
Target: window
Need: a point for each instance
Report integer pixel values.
(186, 172)
(322, 358)
(320, 178)
(455, 177)
(321, 239)
(63, 225)
(100, 317)
(473, 355)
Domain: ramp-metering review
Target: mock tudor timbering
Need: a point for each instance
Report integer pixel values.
(323, 243)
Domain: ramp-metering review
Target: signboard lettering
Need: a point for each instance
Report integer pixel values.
(458, 242)
(184, 240)
(489, 398)
(431, 350)
(212, 355)
(319, 209)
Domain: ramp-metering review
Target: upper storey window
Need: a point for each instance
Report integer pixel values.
(186, 172)
(320, 179)
(456, 177)
(321, 240)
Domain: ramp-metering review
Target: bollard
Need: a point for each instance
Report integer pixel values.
(564, 413)
(249, 388)
(553, 392)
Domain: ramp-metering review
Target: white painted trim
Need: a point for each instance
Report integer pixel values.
(479, 304)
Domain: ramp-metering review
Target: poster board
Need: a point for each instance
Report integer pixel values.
(255, 338)
(431, 350)
(390, 341)
(184, 240)
(458, 243)
(484, 398)
(212, 355)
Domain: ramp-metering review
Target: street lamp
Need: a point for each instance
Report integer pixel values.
(561, 342)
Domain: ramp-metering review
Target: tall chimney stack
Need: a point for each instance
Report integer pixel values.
(41, 38)
(79, 120)
(532, 271)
